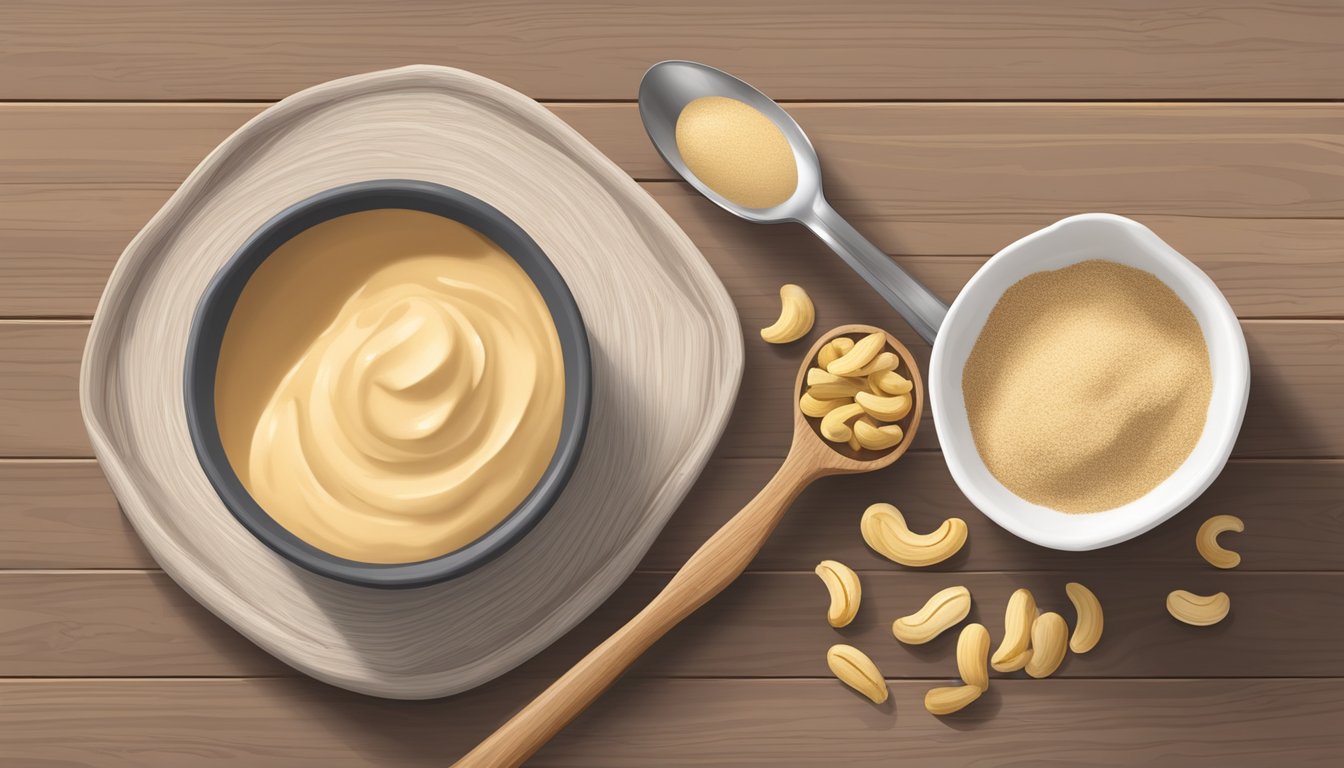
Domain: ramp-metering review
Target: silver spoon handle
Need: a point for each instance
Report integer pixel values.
(916, 303)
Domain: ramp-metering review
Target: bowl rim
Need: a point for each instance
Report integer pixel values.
(1212, 304)
(215, 308)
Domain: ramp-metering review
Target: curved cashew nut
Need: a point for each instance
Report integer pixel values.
(884, 529)
(796, 316)
(841, 390)
(1049, 642)
(1206, 540)
(892, 408)
(953, 698)
(876, 438)
(855, 669)
(1087, 631)
(889, 382)
(833, 350)
(942, 611)
(973, 656)
(834, 426)
(1015, 650)
(1198, 610)
(811, 406)
(885, 361)
(853, 361)
(827, 386)
(843, 585)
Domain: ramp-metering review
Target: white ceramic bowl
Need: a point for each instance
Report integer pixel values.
(1071, 240)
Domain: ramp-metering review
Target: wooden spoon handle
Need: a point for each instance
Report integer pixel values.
(714, 566)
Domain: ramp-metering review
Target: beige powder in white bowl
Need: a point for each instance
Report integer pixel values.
(1087, 387)
(1087, 237)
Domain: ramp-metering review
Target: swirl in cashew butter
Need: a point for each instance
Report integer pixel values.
(421, 401)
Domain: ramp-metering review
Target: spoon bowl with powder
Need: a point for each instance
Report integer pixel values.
(1077, 405)
(742, 151)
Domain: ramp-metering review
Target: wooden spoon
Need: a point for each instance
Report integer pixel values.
(718, 562)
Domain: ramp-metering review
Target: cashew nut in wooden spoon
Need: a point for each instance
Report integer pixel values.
(718, 562)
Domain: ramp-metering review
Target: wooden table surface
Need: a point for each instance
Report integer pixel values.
(947, 129)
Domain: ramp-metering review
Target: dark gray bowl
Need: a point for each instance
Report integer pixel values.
(207, 335)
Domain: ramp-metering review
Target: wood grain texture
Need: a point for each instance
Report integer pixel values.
(301, 724)
(58, 244)
(75, 624)
(1294, 514)
(77, 180)
(61, 515)
(924, 159)
(39, 382)
(586, 49)
(1294, 410)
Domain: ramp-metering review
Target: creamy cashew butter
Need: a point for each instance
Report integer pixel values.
(390, 386)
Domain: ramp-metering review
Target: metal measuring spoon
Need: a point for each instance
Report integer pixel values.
(670, 85)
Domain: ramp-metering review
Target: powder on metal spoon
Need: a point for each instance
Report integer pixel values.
(737, 151)
(1089, 386)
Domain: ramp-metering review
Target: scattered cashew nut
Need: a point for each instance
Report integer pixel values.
(855, 669)
(1087, 629)
(953, 698)
(1049, 642)
(942, 611)
(1206, 540)
(1015, 649)
(796, 316)
(1198, 610)
(884, 529)
(843, 585)
(973, 656)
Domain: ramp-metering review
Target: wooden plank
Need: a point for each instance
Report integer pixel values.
(77, 180)
(922, 159)
(39, 389)
(58, 244)
(587, 49)
(927, 159)
(1282, 268)
(62, 515)
(299, 723)
(1294, 515)
(1295, 411)
(123, 623)
(81, 624)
